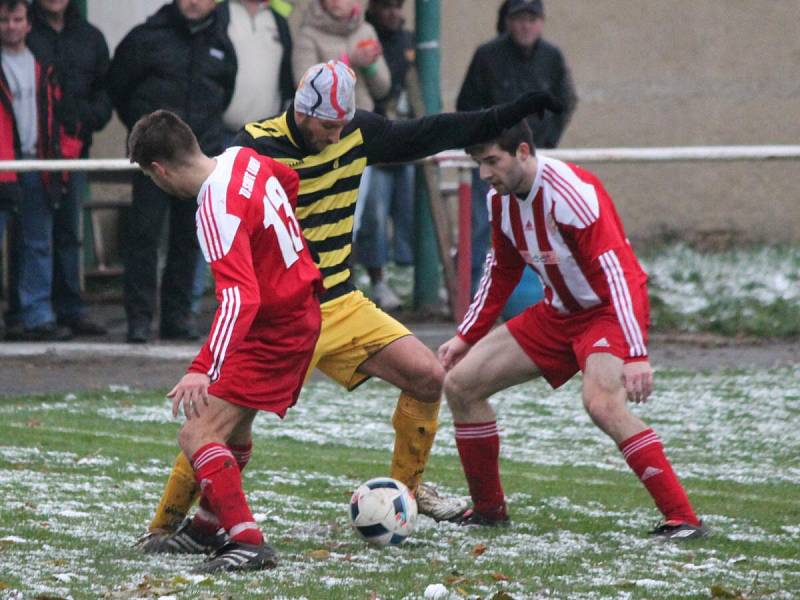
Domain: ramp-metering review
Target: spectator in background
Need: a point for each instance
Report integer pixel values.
(263, 46)
(390, 191)
(30, 113)
(79, 53)
(182, 60)
(264, 82)
(513, 63)
(336, 30)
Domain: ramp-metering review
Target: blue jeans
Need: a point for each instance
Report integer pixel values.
(390, 193)
(4, 218)
(45, 256)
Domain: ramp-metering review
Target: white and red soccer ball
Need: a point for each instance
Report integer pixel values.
(383, 512)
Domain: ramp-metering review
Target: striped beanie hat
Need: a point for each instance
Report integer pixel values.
(327, 91)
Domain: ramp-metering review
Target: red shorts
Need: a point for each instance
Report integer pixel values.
(267, 369)
(559, 344)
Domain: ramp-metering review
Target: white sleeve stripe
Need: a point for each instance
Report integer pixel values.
(575, 210)
(637, 331)
(622, 303)
(572, 198)
(577, 196)
(622, 306)
(225, 338)
(480, 297)
(224, 311)
(208, 211)
(227, 321)
(204, 228)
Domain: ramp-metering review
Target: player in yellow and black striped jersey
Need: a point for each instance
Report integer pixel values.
(329, 144)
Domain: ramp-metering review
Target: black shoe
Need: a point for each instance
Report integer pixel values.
(235, 556)
(678, 532)
(47, 332)
(472, 518)
(184, 540)
(138, 332)
(184, 332)
(83, 326)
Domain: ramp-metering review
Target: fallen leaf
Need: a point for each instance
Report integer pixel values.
(478, 549)
(502, 596)
(717, 591)
(454, 579)
(33, 423)
(319, 554)
(497, 576)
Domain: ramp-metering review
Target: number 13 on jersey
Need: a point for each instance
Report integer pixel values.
(287, 229)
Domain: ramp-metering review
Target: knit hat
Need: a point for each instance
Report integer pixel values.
(327, 91)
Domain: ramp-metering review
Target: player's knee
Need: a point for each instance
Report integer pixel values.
(457, 393)
(189, 438)
(603, 405)
(427, 385)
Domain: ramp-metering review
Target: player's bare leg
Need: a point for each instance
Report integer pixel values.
(604, 397)
(209, 427)
(493, 364)
(408, 364)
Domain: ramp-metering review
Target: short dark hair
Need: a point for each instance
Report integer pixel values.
(10, 5)
(162, 137)
(508, 140)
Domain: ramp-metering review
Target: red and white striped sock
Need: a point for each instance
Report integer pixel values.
(644, 454)
(204, 518)
(479, 448)
(219, 478)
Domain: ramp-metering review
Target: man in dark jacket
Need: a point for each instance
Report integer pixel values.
(515, 62)
(181, 60)
(80, 55)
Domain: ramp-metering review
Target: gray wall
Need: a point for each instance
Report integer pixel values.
(648, 73)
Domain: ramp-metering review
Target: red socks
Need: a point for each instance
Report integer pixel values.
(479, 448)
(217, 472)
(204, 519)
(645, 456)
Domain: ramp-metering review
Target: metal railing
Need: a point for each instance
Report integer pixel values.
(460, 161)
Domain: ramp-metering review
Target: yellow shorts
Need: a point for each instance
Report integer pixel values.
(353, 329)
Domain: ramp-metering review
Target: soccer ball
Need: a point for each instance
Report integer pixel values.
(383, 512)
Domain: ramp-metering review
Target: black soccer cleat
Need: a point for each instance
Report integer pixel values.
(184, 540)
(472, 518)
(677, 532)
(236, 556)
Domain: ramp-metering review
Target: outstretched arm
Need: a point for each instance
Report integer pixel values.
(402, 141)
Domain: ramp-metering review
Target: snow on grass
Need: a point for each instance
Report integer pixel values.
(717, 427)
(689, 280)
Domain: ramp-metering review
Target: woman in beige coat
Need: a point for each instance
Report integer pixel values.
(335, 29)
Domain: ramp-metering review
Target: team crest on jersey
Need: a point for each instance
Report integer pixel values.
(548, 257)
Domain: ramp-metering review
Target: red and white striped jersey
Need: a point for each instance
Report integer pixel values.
(261, 264)
(569, 232)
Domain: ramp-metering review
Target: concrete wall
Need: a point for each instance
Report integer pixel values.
(648, 73)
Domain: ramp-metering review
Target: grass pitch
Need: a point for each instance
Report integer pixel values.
(80, 475)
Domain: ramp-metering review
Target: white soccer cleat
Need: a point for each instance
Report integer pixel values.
(439, 508)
